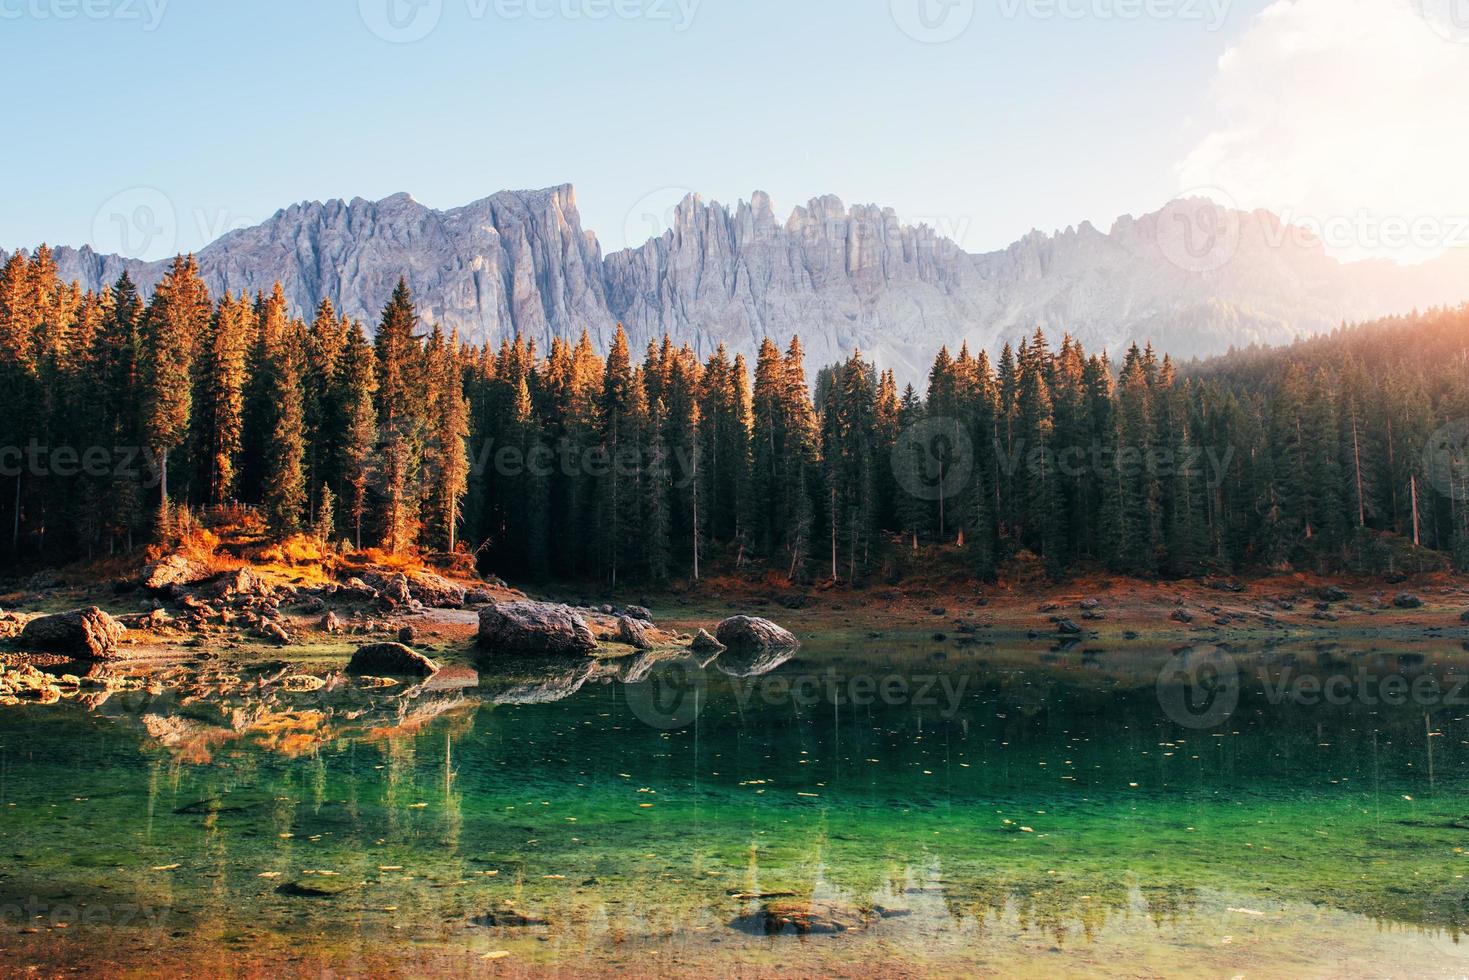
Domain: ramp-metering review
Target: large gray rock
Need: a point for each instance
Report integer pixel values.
(88, 634)
(174, 570)
(435, 591)
(748, 633)
(1408, 601)
(535, 627)
(390, 660)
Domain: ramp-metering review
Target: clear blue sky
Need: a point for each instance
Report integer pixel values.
(234, 110)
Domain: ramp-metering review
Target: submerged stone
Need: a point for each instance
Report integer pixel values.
(800, 919)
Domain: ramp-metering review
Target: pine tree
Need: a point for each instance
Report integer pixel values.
(221, 398)
(324, 527)
(401, 408)
(176, 318)
(285, 460)
(620, 424)
(910, 467)
(357, 383)
(326, 343)
(448, 453)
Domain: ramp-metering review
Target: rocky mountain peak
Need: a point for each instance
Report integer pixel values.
(1193, 277)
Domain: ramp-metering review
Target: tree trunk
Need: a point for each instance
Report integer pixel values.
(834, 534)
(696, 510)
(1357, 456)
(1413, 484)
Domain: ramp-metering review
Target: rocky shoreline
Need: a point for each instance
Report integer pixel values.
(363, 621)
(196, 630)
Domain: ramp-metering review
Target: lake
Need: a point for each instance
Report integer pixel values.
(868, 807)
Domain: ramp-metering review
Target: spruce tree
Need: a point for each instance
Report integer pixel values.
(175, 320)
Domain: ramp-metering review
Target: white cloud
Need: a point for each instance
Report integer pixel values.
(1346, 116)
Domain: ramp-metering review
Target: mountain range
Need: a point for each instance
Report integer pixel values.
(1193, 278)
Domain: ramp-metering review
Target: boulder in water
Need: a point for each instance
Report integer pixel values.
(750, 633)
(88, 634)
(535, 627)
(390, 660)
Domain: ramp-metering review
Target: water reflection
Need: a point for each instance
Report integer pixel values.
(950, 801)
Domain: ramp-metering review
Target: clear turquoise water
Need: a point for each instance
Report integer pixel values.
(1013, 811)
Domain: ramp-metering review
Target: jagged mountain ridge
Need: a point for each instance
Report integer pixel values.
(843, 278)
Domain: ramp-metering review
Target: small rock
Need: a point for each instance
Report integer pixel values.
(394, 591)
(355, 588)
(406, 635)
(633, 632)
(314, 887)
(390, 660)
(1067, 628)
(1179, 616)
(508, 919)
(639, 613)
(242, 583)
(331, 624)
(1408, 600)
(705, 643)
